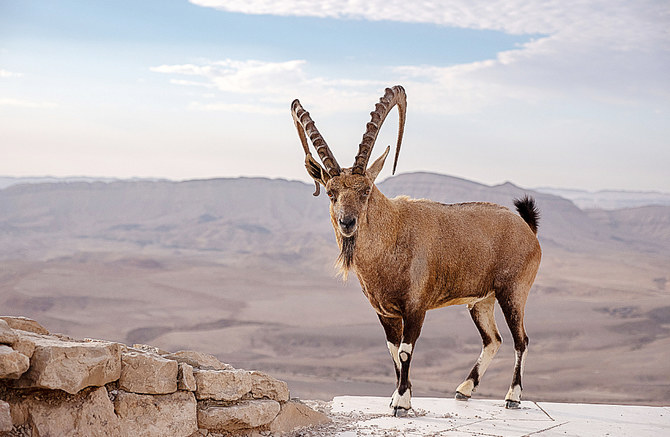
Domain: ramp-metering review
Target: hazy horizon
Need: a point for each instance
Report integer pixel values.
(547, 189)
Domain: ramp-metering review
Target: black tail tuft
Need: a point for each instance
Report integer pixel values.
(528, 211)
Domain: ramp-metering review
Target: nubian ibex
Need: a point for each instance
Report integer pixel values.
(413, 255)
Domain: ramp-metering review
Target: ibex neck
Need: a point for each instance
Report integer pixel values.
(378, 232)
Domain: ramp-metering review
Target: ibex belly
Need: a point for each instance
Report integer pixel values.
(469, 301)
(457, 286)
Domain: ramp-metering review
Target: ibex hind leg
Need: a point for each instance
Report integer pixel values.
(482, 314)
(513, 309)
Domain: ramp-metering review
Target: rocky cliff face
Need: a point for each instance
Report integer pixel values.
(55, 385)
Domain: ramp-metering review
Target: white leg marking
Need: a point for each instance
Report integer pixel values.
(523, 360)
(404, 351)
(393, 350)
(488, 322)
(466, 387)
(487, 355)
(404, 401)
(514, 394)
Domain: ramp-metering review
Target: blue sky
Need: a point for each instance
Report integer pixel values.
(568, 94)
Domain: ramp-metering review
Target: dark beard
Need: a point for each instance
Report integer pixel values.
(346, 258)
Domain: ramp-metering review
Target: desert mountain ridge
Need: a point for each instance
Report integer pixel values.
(248, 215)
(601, 199)
(8, 181)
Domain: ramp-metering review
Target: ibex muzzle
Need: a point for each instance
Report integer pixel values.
(347, 225)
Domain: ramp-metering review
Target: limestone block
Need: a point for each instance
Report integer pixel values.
(24, 324)
(244, 415)
(265, 386)
(198, 360)
(12, 363)
(89, 413)
(5, 417)
(151, 349)
(24, 345)
(222, 385)
(7, 334)
(143, 415)
(147, 373)
(70, 365)
(295, 415)
(185, 378)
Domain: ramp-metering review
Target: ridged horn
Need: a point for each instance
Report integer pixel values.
(306, 128)
(392, 97)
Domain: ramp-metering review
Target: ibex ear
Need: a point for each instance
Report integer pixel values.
(377, 166)
(317, 173)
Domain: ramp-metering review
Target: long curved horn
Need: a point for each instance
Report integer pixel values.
(306, 128)
(392, 97)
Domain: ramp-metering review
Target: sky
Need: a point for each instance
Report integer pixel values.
(561, 93)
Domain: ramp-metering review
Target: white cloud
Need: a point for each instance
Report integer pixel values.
(268, 87)
(256, 77)
(237, 107)
(191, 83)
(510, 16)
(7, 74)
(248, 76)
(27, 104)
(606, 50)
(514, 16)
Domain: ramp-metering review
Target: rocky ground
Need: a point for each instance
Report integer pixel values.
(52, 384)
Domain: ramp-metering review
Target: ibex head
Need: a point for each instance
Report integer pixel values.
(349, 188)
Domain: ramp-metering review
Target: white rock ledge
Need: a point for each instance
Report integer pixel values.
(371, 416)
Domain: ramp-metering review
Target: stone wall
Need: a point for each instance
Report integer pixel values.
(51, 384)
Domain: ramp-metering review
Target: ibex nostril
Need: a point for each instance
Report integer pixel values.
(347, 222)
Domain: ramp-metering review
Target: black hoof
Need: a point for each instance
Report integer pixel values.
(400, 412)
(461, 397)
(512, 405)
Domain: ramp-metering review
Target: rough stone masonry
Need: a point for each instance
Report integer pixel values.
(51, 384)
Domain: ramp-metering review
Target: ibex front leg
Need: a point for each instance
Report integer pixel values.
(393, 329)
(401, 400)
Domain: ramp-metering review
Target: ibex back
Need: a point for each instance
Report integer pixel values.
(411, 255)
